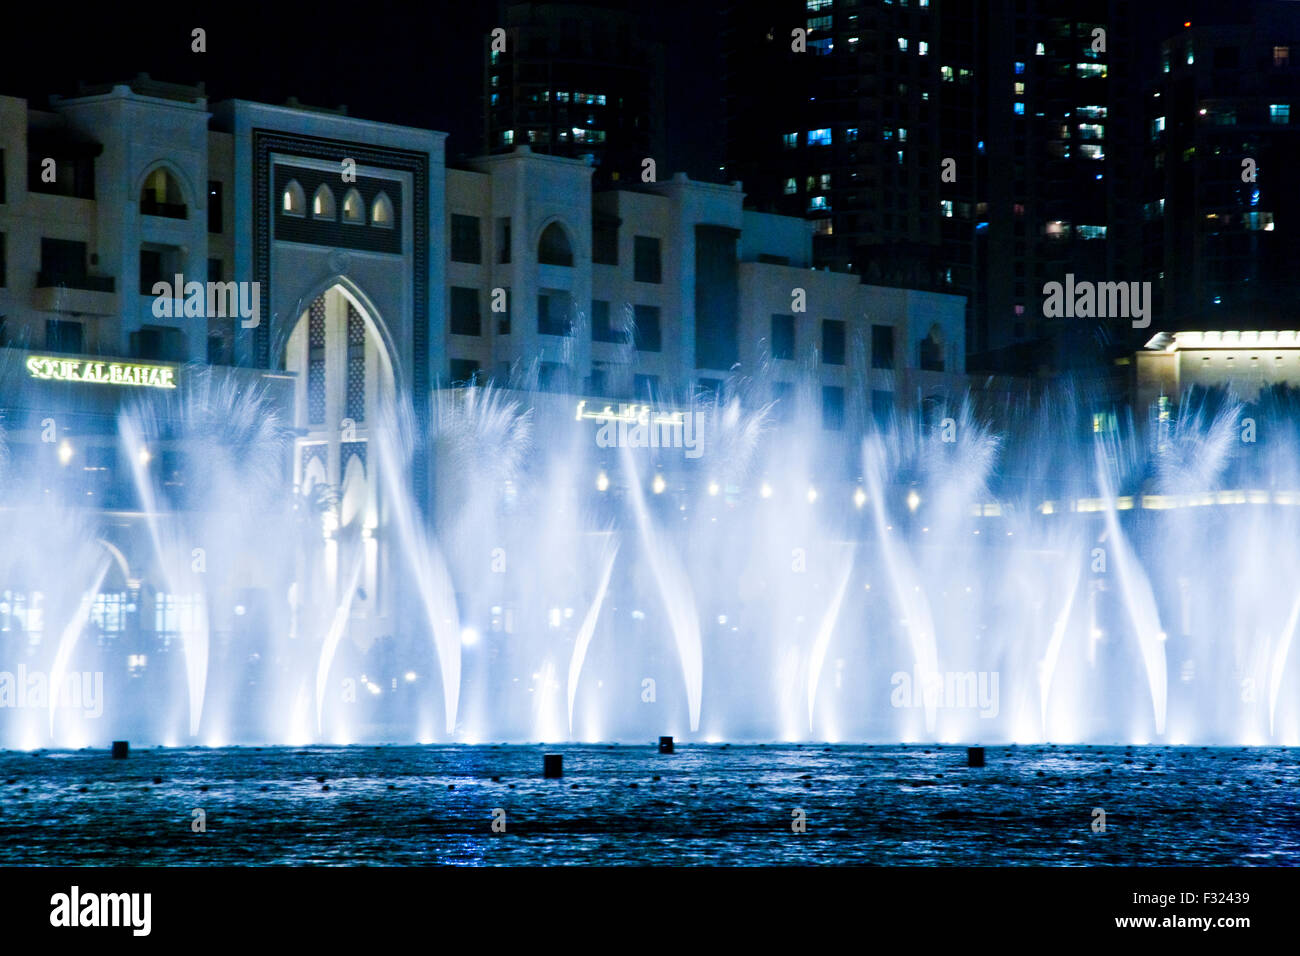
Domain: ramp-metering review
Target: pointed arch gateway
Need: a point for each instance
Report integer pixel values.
(345, 371)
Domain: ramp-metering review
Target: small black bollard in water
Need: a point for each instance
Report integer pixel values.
(120, 749)
(974, 756)
(665, 745)
(553, 765)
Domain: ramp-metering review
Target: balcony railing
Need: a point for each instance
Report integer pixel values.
(88, 283)
(171, 210)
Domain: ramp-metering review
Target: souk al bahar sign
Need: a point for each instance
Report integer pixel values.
(101, 373)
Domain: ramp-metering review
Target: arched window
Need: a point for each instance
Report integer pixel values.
(353, 207)
(381, 213)
(322, 204)
(161, 195)
(294, 201)
(931, 349)
(553, 249)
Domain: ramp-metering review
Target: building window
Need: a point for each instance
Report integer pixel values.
(552, 376)
(507, 137)
(791, 187)
(882, 407)
(783, 399)
(783, 337)
(551, 317)
(553, 248)
(353, 208)
(215, 210)
(647, 265)
(463, 372)
(931, 351)
(322, 204)
(819, 137)
(503, 317)
(465, 318)
(293, 202)
(503, 239)
(465, 244)
(604, 240)
(646, 332)
(832, 407)
(882, 346)
(832, 342)
(1281, 56)
(601, 329)
(63, 335)
(645, 387)
(1279, 113)
(851, 134)
(214, 270)
(354, 396)
(161, 196)
(790, 140)
(381, 212)
(945, 206)
(316, 362)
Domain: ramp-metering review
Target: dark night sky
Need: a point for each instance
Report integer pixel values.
(418, 64)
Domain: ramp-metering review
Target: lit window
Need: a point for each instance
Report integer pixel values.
(1279, 113)
(815, 5)
(1020, 68)
(902, 134)
(818, 23)
(851, 134)
(790, 140)
(1020, 109)
(353, 207)
(820, 203)
(1091, 70)
(923, 48)
(822, 47)
(322, 205)
(819, 137)
(1020, 89)
(1281, 56)
(562, 97)
(1092, 151)
(1092, 232)
(381, 212)
(791, 187)
(294, 202)
(1157, 127)
(1040, 50)
(945, 72)
(946, 206)
(902, 44)
(507, 137)
(823, 227)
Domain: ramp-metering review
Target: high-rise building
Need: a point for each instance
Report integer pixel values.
(961, 145)
(579, 80)
(1223, 138)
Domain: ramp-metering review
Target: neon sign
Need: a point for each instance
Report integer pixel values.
(101, 373)
(632, 414)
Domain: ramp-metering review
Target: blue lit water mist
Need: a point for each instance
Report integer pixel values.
(1057, 579)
